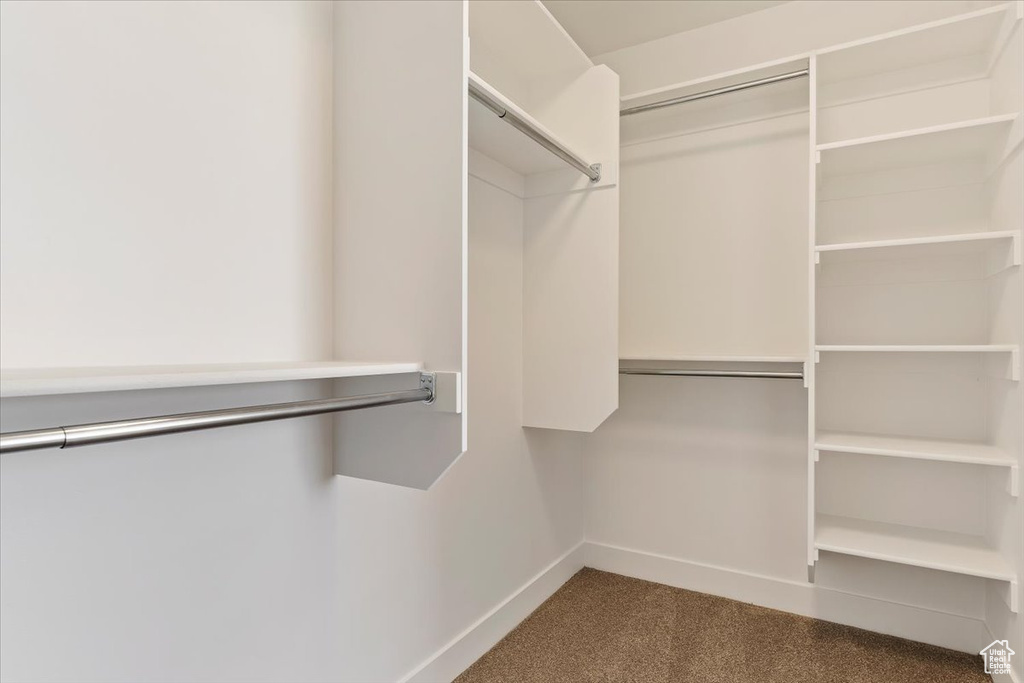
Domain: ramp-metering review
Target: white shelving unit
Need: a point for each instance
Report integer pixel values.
(916, 299)
(569, 224)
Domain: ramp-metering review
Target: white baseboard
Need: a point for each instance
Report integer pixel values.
(1002, 678)
(1005, 678)
(471, 644)
(905, 621)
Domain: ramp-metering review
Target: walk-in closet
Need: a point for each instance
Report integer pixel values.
(511, 341)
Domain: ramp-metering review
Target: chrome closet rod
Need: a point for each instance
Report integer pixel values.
(122, 430)
(592, 171)
(712, 373)
(714, 92)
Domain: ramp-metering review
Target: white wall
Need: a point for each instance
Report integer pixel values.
(166, 187)
(236, 554)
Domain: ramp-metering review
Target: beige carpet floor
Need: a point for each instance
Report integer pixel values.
(605, 627)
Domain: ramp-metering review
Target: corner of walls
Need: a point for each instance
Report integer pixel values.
(459, 653)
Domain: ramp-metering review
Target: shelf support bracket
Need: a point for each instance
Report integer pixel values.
(1014, 481)
(1011, 596)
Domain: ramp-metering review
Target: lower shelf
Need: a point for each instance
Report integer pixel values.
(941, 550)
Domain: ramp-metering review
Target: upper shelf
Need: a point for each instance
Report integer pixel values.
(918, 247)
(971, 38)
(973, 140)
(714, 359)
(1014, 369)
(495, 138)
(918, 348)
(497, 31)
(49, 381)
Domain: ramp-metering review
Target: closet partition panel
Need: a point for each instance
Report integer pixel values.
(400, 222)
(526, 61)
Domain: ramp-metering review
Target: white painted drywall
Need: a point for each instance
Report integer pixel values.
(166, 187)
(236, 554)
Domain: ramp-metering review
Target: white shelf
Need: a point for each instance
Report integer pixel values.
(499, 29)
(503, 143)
(967, 37)
(906, 447)
(917, 547)
(1014, 370)
(714, 359)
(48, 381)
(919, 348)
(917, 247)
(975, 139)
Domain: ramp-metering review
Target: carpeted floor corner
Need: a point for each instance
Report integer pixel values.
(610, 628)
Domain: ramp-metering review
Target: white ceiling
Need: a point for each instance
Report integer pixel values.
(600, 26)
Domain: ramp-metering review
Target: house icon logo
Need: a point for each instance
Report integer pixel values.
(997, 657)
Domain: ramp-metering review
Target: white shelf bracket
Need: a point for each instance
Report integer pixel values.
(817, 357)
(807, 375)
(1011, 596)
(1014, 484)
(810, 573)
(817, 258)
(817, 457)
(1015, 364)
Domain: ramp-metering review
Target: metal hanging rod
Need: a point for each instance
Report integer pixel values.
(714, 92)
(103, 432)
(592, 171)
(761, 374)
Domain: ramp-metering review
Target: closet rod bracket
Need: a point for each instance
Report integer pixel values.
(428, 381)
